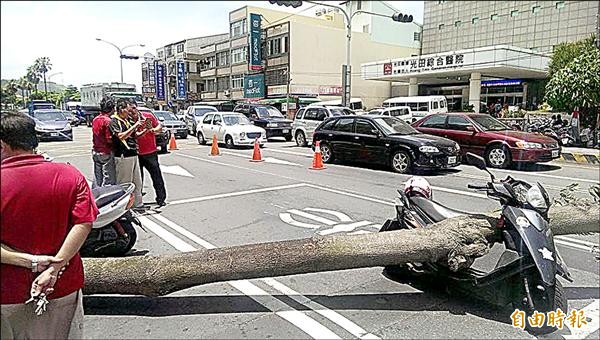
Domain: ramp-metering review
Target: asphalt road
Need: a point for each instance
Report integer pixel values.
(227, 200)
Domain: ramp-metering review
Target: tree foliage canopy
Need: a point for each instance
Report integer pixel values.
(564, 53)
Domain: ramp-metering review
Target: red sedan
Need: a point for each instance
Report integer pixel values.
(484, 135)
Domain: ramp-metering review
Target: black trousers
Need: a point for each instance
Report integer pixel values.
(150, 163)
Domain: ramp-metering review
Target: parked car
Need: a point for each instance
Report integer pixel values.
(400, 112)
(231, 128)
(52, 124)
(307, 119)
(484, 135)
(169, 121)
(195, 114)
(384, 140)
(268, 118)
(162, 139)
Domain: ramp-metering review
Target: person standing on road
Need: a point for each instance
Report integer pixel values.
(102, 151)
(148, 156)
(36, 248)
(125, 148)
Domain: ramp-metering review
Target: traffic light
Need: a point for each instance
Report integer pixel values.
(125, 56)
(294, 4)
(402, 17)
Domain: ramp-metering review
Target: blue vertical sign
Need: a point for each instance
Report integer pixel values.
(254, 86)
(159, 73)
(181, 95)
(255, 53)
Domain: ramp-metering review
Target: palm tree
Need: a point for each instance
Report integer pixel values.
(33, 77)
(23, 85)
(42, 66)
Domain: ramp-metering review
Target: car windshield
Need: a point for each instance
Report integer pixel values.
(268, 112)
(236, 120)
(49, 116)
(394, 126)
(201, 111)
(340, 112)
(488, 123)
(166, 115)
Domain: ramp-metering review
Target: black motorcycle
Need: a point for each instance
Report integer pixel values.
(526, 263)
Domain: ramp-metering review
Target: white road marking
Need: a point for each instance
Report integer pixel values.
(537, 174)
(572, 245)
(366, 198)
(459, 192)
(312, 217)
(592, 314)
(279, 161)
(175, 170)
(233, 194)
(287, 218)
(341, 216)
(290, 153)
(295, 317)
(572, 239)
(344, 228)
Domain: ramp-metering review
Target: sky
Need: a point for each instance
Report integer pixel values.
(66, 32)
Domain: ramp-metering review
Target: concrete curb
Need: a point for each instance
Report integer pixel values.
(579, 158)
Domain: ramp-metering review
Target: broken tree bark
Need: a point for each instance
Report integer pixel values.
(457, 240)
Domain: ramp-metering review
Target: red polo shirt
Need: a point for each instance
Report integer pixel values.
(147, 142)
(101, 136)
(40, 202)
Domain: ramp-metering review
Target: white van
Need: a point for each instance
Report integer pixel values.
(356, 104)
(400, 112)
(420, 106)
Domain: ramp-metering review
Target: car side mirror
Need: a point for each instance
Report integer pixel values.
(161, 119)
(376, 132)
(471, 128)
(217, 123)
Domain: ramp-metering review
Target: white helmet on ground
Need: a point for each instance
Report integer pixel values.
(417, 186)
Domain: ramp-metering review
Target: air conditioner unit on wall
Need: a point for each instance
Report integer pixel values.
(226, 92)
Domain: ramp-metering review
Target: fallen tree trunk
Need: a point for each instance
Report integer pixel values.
(457, 240)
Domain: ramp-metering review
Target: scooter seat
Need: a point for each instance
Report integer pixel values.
(433, 210)
(108, 194)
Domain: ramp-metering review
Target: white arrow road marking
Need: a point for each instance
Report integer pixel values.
(344, 227)
(175, 170)
(592, 315)
(287, 218)
(312, 217)
(341, 216)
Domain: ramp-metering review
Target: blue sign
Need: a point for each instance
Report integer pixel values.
(501, 82)
(181, 95)
(254, 86)
(255, 52)
(159, 73)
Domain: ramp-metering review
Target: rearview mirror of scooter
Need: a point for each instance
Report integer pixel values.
(478, 162)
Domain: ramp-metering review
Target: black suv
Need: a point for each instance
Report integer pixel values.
(384, 140)
(268, 118)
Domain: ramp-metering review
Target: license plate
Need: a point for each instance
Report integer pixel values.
(286, 131)
(452, 160)
(53, 134)
(554, 153)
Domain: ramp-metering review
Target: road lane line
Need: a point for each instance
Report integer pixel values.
(572, 245)
(566, 238)
(333, 316)
(592, 314)
(233, 194)
(349, 194)
(546, 175)
(302, 321)
(312, 217)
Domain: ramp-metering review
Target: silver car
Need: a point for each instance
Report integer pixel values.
(194, 116)
(307, 119)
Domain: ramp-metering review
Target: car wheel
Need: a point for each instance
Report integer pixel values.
(288, 138)
(498, 156)
(401, 162)
(201, 139)
(184, 135)
(326, 153)
(229, 142)
(300, 138)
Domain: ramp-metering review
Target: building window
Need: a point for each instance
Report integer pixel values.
(161, 54)
(560, 4)
(277, 46)
(222, 83)
(208, 62)
(179, 48)
(441, 27)
(365, 28)
(475, 20)
(237, 81)
(457, 23)
(223, 58)
(238, 28)
(417, 36)
(494, 17)
(210, 85)
(276, 77)
(238, 55)
(514, 13)
(169, 51)
(536, 9)
(200, 87)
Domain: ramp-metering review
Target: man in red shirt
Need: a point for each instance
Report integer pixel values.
(59, 209)
(147, 153)
(102, 152)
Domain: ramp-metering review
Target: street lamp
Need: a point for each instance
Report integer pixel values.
(121, 55)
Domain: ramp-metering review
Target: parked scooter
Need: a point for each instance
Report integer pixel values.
(113, 233)
(525, 271)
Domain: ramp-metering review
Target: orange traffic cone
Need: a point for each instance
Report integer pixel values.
(214, 149)
(172, 143)
(256, 156)
(317, 159)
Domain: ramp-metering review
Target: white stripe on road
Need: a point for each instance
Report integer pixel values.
(233, 194)
(548, 176)
(366, 198)
(566, 238)
(592, 314)
(335, 317)
(296, 318)
(572, 245)
(341, 216)
(312, 217)
(287, 218)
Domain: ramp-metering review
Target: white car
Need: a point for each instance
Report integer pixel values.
(400, 112)
(231, 128)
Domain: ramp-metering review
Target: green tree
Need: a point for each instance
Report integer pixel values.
(42, 66)
(71, 94)
(9, 92)
(24, 85)
(564, 53)
(33, 77)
